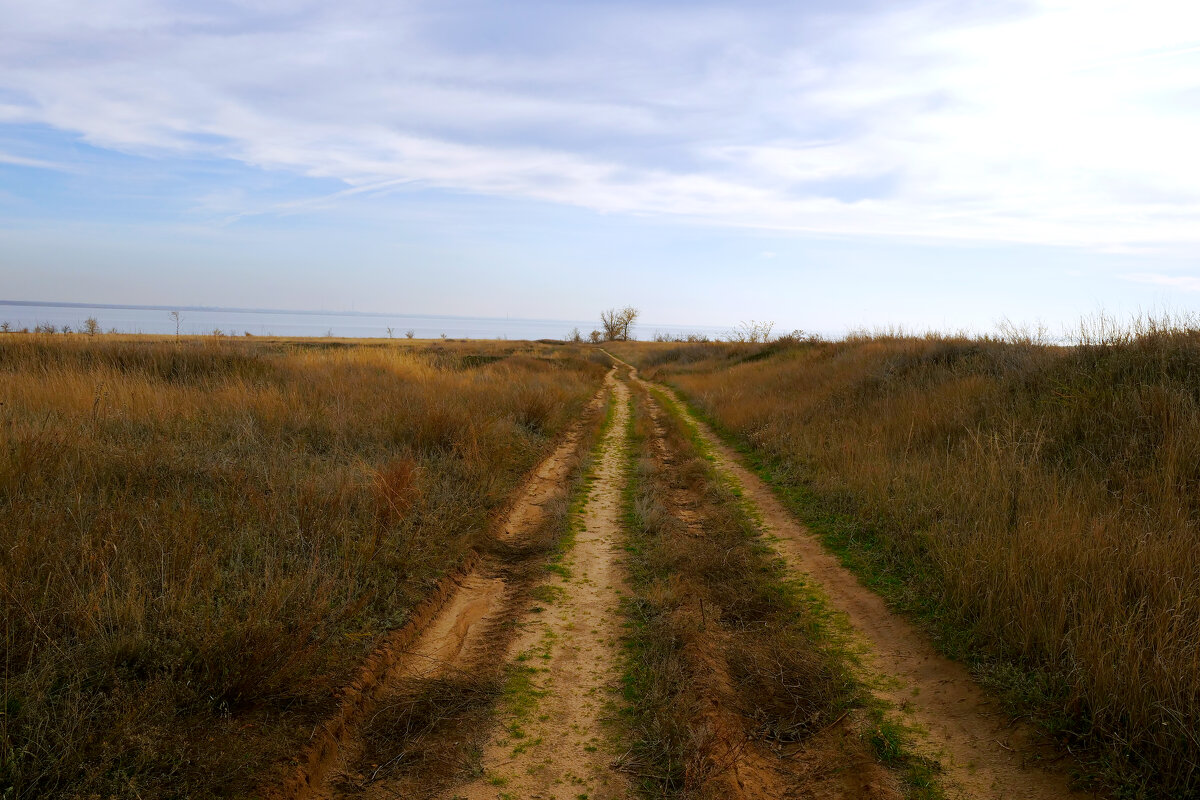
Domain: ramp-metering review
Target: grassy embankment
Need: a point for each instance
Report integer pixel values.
(1035, 505)
(202, 538)
(715, 620)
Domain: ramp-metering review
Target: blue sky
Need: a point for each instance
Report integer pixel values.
(825, 165)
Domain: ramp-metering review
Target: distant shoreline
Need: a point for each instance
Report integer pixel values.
(232, 310)
(198, 319)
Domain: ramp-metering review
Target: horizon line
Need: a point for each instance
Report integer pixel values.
(311, 312)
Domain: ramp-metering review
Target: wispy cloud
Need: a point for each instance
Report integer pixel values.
(1054, 121)
(1186, 283)
(300, 206)
(35, 163)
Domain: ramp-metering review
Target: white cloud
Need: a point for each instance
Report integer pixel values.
(1060, 122)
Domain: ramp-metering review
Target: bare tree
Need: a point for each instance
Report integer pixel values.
(91, 326)
(391, 333)
(177, 318)
(5, 326)
(596, 337)
(575, 336)
(610, 324)
(629, 315)
(616, 323)
(410, 333)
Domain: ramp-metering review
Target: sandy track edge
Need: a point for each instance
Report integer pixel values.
(358, 697)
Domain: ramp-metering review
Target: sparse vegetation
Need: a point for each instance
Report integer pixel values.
(752, 331)
(1035, 505)
(201, 539)
(680, 337)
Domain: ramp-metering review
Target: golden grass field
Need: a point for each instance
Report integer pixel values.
(201, 538)
(1036, 505)
(204, 537)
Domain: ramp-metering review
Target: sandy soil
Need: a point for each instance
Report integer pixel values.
(552, 740)
(984, 753)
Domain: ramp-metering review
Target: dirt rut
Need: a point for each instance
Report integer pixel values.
(552, 740)
(455, 628)
(985, 755)
(833, 764)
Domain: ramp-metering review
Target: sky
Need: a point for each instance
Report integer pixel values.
(825, 165)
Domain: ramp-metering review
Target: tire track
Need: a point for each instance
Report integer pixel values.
(553, 740)
(450, 634)
(740, 765)
(985, 754)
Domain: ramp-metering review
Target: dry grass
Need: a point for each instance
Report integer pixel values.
(201, 538)
(1040, 503)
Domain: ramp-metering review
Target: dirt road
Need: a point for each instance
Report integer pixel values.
(984, 754)
(736, 761)
(503, 683)
(500, 683)
(552, 740)
(414, 708)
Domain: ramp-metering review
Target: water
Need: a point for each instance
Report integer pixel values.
(236, 322)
